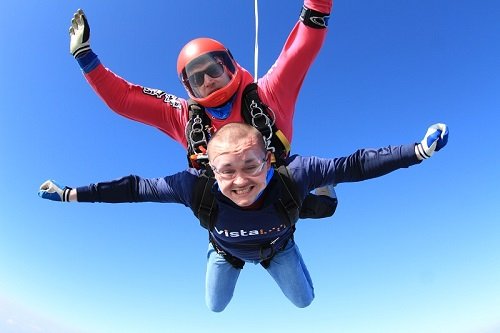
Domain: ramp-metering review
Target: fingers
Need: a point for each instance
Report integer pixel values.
(74, 25)
(444, 130)
(443, 140)
(77, 22)
(432, 137)
(46, 185)
(80, 17)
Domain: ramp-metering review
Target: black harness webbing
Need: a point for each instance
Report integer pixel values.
(205, 208)
(197, 135)
(253, 111)
(257, 114)
(204, 205)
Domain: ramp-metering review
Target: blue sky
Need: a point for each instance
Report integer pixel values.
(415, 251)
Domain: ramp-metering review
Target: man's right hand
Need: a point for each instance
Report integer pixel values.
(79, 33)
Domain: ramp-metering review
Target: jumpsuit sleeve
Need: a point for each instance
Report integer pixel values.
(363, 164)
(322, 6)
(153, 107)
(279, 87)
(176, 188)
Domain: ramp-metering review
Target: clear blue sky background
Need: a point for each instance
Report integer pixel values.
(415, 251)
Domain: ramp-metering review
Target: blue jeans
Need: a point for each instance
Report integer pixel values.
(287, 268)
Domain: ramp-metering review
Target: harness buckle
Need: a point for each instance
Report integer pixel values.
(197, 136)
(263, 123)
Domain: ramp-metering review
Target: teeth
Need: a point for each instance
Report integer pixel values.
(244, 190)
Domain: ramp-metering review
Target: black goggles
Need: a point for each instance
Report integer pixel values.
(213, 70)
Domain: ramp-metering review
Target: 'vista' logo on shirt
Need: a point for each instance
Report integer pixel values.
(244, 233)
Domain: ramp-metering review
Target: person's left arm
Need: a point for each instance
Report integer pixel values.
(280, 86)
(365, 164)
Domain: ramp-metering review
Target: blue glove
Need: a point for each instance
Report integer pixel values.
(435, 139)
(50, 190)
(79, 33)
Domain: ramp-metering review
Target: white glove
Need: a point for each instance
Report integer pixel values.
(79, 33)
(50, 190)
(435, 139)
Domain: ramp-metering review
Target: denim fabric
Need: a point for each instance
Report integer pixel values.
(287, 268)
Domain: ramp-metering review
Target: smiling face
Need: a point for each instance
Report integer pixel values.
(240, 162)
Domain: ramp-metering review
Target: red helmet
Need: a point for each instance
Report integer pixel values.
(205, 50)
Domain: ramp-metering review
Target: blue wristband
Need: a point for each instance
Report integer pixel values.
(88, 61)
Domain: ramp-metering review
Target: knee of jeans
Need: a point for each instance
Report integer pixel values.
(216, 306)
(303, 302)
(217, 302)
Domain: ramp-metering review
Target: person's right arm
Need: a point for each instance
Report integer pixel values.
(153, 107)
(176, 188)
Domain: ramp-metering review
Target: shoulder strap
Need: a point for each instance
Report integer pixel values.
(289, 202)
(203, 202)
(258, 114)
(197, 135)
(204, 205)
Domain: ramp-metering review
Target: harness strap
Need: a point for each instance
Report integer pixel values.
(266, 262)
(289, 203)
(256, 113)
(239, 263)
(207, 207)
(234, 261)
(197, 135)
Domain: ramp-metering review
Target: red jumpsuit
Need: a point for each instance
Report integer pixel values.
(278, 88)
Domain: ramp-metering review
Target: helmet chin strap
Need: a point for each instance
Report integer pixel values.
(256, 48)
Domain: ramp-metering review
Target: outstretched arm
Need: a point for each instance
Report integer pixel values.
(371, 163)
(125, 189)
(367, 163)
(176, 188)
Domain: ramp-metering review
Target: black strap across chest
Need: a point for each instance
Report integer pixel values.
(287, 204)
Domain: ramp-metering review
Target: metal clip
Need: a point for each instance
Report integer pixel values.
(197, 135)
(258, 118)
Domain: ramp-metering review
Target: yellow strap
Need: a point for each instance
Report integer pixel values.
(279, 134)
(283, 140)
